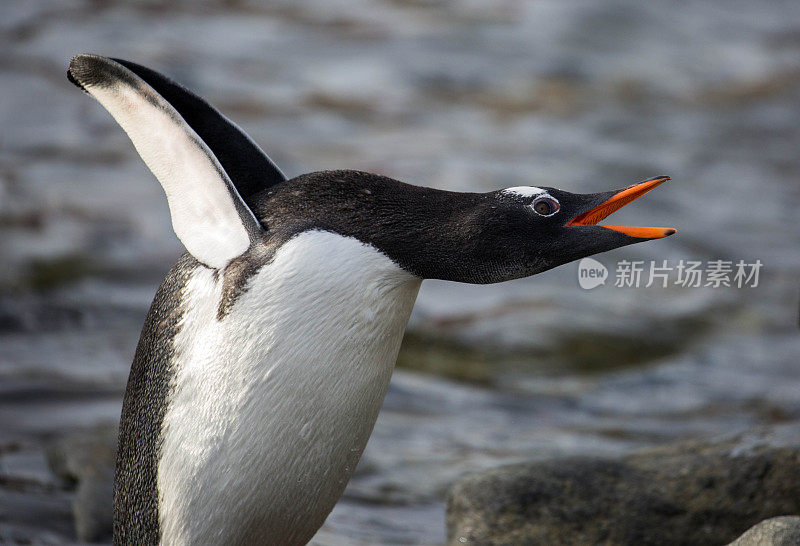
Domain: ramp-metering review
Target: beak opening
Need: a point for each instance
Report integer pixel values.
(616, 202)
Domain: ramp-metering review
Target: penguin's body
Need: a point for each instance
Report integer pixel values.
(268, 349)
(276, 359)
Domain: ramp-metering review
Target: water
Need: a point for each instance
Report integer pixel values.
(462, 96)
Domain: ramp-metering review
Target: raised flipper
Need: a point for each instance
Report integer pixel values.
(208, 215)
(248, 167)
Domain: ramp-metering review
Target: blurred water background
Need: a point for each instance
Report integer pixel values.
(466, 95)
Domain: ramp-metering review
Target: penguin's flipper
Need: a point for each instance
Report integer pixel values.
(208, 215)
(248, 167)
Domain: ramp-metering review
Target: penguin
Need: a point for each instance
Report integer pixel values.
(267, 351)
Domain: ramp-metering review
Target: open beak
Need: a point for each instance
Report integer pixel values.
(616, 202)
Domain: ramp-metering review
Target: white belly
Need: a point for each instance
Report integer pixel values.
(273, 406)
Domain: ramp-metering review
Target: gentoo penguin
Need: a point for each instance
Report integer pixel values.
(267, 351)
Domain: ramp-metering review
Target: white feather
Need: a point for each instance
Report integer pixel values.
(272, 407)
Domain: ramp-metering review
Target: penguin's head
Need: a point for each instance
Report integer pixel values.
(457, 236)
(228, 199)
(549, 227)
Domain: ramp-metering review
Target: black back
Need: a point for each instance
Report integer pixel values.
(143, 410)
(248, 167)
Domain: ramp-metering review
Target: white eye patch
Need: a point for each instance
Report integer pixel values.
(525, 191)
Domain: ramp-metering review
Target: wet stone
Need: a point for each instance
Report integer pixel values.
(689, 493)
(86, 459)
(25, 467)
(780, 531)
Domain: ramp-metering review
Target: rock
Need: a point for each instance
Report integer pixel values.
(782, 531)
(35, 517)
(691, 493)
(87, 459)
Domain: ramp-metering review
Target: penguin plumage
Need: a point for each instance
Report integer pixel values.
(267, 351)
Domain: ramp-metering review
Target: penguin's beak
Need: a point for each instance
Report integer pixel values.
(612, 201)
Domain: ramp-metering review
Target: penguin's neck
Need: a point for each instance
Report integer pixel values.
(271, 407)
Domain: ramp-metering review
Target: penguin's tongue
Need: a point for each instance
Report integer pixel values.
(619, 200)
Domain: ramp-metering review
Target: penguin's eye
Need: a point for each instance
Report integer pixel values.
(545, 206)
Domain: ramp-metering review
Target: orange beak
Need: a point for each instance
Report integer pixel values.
(618, 201)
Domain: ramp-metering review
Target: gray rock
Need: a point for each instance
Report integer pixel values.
(35, 517)
(87, 459)
(691, 493)
(782, 531)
